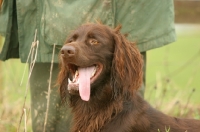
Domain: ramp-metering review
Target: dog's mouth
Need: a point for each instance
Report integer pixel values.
(81, 79)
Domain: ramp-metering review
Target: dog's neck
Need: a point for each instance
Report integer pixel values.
(100, 109)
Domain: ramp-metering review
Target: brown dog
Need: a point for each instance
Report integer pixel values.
(100, 74)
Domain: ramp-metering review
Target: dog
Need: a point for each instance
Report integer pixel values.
(100, 73)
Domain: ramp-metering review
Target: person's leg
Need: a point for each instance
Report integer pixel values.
(142, 88)
(58, 116)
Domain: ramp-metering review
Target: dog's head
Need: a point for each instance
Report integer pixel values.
(95, 56)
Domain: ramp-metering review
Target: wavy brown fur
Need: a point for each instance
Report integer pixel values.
(126, 65)
(114, 105)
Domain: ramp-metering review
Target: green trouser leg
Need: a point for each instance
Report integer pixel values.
(142, 88)
(59, 117)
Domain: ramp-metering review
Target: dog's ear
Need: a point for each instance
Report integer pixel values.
(126, 74)
(62, 82)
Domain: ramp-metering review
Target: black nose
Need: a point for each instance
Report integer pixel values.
(68, 51)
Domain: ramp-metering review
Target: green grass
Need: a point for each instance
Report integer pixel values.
(172, 74)
(12, 95)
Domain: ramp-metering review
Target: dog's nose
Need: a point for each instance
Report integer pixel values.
(68, 51)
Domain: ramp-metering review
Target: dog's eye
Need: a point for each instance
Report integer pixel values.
(93, 41)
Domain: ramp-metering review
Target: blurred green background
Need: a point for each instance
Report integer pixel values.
(172, 78)
(173, 72)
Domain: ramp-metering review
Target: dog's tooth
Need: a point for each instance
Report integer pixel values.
(75, 76)
(95, 69)
(69, 81)
(74, 80)
(76, 73)
(92, 73)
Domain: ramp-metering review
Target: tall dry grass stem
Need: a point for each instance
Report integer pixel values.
(33, 53)
(188, 100)
(32, 45)
(49, 89)
(25, 119)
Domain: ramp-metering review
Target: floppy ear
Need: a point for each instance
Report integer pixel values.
(62, 81)
(126, 74)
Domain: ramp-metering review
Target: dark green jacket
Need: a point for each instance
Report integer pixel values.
(148, 22)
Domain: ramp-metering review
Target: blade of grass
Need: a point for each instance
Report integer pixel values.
(25, 118)
(34, 47)
(49, 90)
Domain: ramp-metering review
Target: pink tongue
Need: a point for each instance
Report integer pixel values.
(84, 82)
